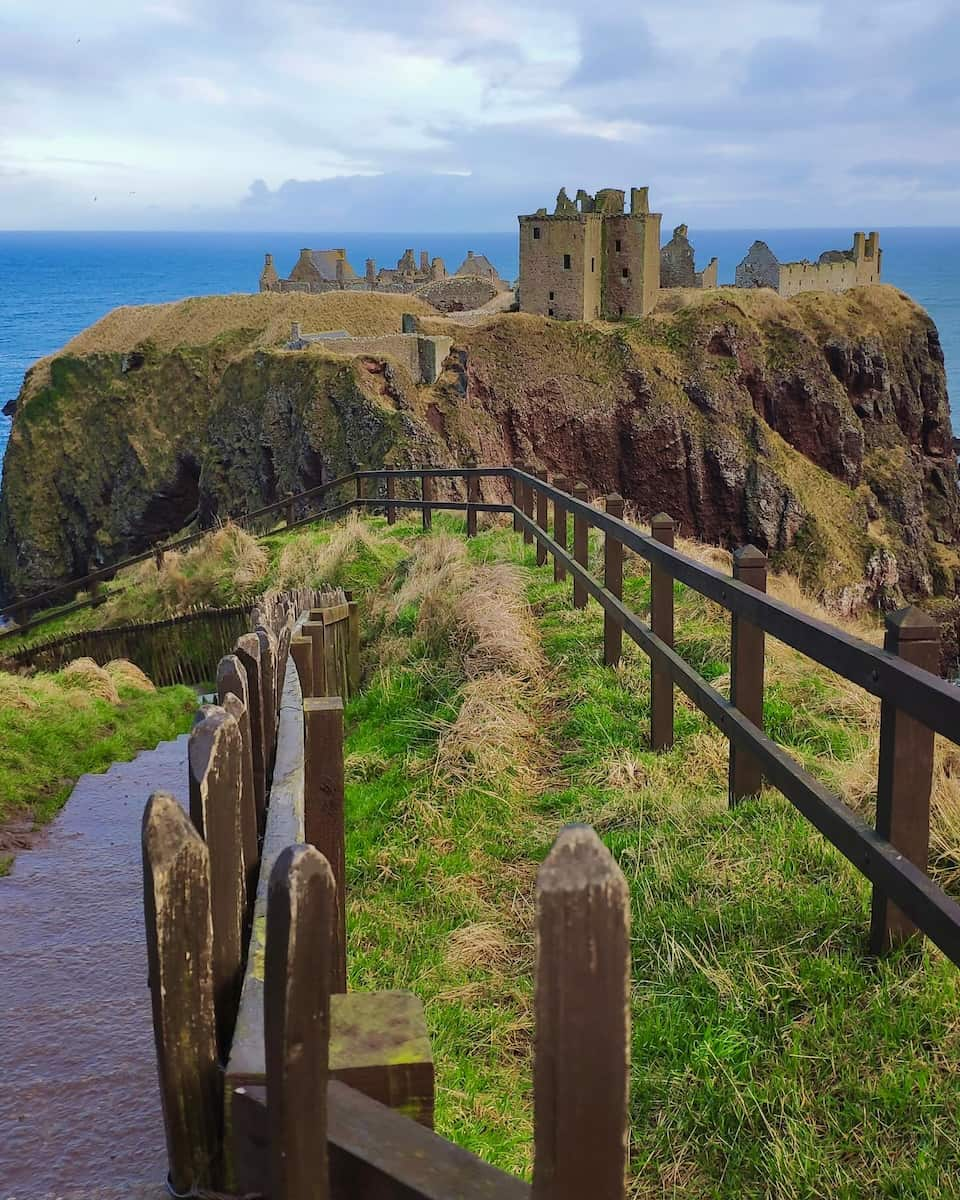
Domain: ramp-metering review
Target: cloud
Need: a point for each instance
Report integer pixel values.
(391, 114)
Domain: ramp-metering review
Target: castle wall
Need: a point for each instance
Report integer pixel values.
(458, 293)
(707, 278)
(832, 276)
(635, 293)
(422, 356)
(547, 286)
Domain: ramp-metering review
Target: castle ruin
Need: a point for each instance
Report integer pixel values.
(330, 271)
(677, 268)
(591, 258)
(834, 270)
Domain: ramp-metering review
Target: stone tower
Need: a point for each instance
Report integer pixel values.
(269, 279)
(591, 258)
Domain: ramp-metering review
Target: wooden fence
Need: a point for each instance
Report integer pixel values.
(181, 649)
(275, 1080)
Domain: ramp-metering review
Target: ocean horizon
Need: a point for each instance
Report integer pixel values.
(53, 285)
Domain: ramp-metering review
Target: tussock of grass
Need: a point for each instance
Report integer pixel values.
(226, 567)
(87, 676)
(127, 674)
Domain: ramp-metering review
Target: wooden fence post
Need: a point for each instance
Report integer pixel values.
(516, 489)
(232, 682)
(248, 652)
(291, 514)
(427, 487)
(661, 622)
(560, 528)
(179, 929)
(301, 901)
(528, 502)
(746, 674)
(541, 521)
(582, 1004)
(353, 656)
(613, 582)
(214, 758)
(268, 682)
(473, 497)
(233, 706)
(581, 544)
(359, 487)
(323, 809)
(391, 495)
(315, 631)
(905, 774)
(302, 650)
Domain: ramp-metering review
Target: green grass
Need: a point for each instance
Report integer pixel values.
(771, 1056)
(46, 748)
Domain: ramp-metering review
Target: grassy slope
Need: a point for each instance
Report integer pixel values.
(52, 733)
(771, 1058)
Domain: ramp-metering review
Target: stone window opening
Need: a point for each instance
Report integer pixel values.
(618, 245)
(551, 295)
(566, 262)
(550, 312)
(592, 265)
(625, 273)
(536, 233)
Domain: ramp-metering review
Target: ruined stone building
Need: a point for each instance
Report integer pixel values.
(834, 270)
(329, 271)
(590, 257)
(677, 267)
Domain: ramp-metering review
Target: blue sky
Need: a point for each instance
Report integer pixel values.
(369, 114)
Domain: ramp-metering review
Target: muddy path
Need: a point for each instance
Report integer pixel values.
(79, 1107)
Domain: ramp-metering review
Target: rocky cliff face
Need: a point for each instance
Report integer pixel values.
(817, 428)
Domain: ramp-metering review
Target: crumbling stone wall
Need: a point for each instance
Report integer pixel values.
(458, 293)
(422, 356)
(760, 268)
(676, 261)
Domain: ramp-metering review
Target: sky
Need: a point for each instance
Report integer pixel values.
(447, 115)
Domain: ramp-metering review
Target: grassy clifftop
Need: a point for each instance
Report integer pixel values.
(817, 428)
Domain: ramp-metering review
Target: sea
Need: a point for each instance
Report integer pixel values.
(53, 285)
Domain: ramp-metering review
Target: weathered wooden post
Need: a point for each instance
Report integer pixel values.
(268, 682)
(560, 528)
(158, 558)
(473, 498)
(179, 929)
(302, 650)
(353, 654)
(528, 503)
(291, 513)
(391, 495)
(516, 488)
(315, 630)
(301, 903)
(215, 757)
(359, 487)
(613, 582)
(233, 707)
(234, 696)
(323, 809)
(746, 674)
(427, 488)
(581, 544)
(248, 652)
(661, 623)
(905, 775)
(541, 520)
(582, 1003)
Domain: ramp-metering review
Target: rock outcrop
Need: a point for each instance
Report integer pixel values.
(817, 428)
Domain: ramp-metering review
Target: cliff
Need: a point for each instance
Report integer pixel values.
(816, 427)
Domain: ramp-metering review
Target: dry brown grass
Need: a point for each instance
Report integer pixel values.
(29, 694)
(227, 565)
(85, 675)
(127, 674)
(265, 319)
(307, 561)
